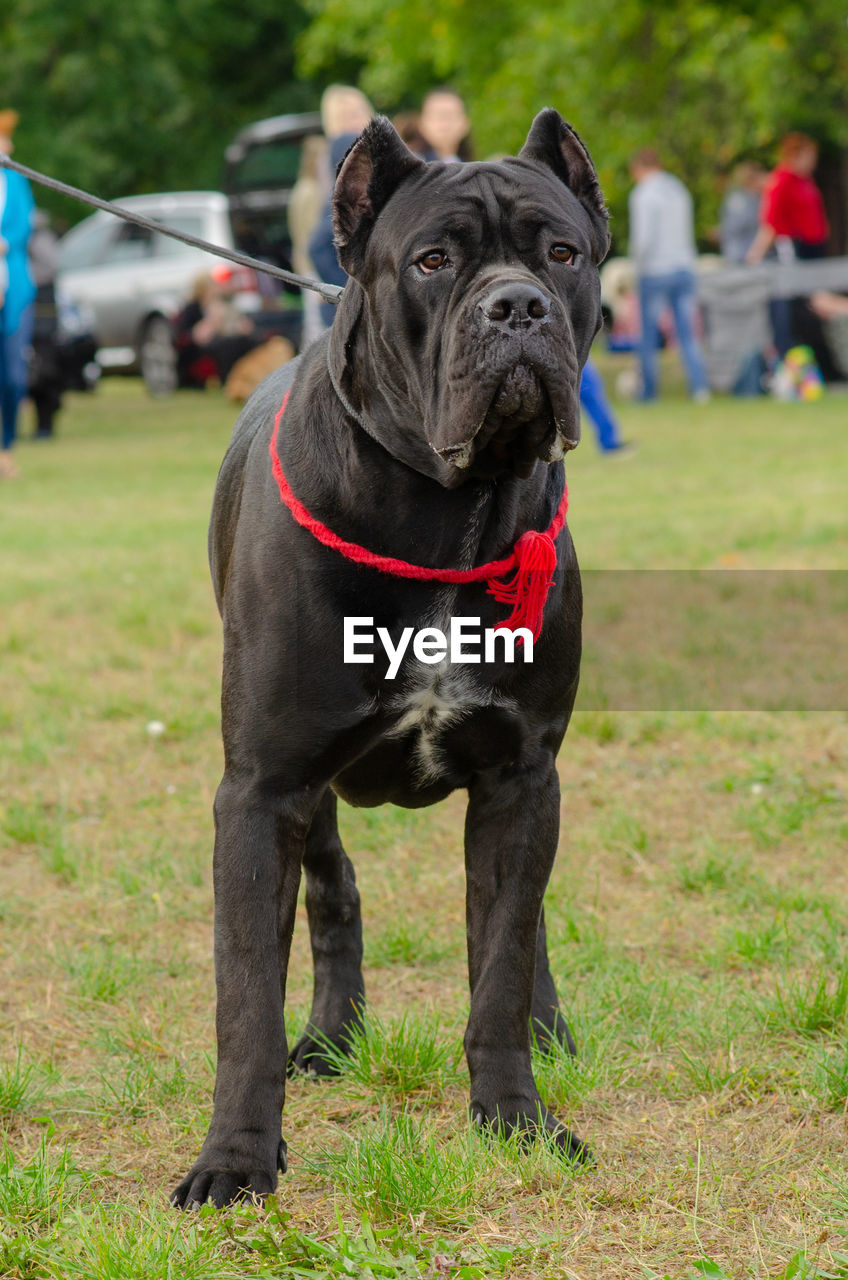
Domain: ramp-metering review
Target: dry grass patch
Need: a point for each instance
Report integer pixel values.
(697, 920)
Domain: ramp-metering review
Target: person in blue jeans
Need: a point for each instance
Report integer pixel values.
(676, 290)
(593, 398)
(662, 245)
(16, 294)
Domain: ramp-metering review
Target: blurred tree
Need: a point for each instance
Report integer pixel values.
(143, 96)
(706, 83)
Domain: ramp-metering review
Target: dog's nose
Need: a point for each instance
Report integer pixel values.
(515, 304)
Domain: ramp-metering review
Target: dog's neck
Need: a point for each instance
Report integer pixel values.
(349, 480)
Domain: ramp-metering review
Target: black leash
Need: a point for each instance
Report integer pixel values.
(329, 292)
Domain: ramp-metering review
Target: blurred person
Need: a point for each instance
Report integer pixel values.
(408, 127)
(593, 399)
(792, 214)
(662, 246)
(46, 379)
(17, 291)
(211, 334)
(793, 225)
(620, 305)
(829, 306)
(345, 111)
(444, 125)
(831, 312)
(304, 213)
(740, 210)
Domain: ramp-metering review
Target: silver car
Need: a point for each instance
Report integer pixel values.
(136, 281)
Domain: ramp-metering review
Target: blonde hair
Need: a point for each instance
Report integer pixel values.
(313, 149)
(333, 101)
(202, 286)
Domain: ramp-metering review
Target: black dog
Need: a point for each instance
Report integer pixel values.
(429, 427)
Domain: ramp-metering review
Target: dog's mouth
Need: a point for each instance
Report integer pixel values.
(518, 429)
(519, 399)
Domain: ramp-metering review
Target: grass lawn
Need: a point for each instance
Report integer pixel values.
(697, 916)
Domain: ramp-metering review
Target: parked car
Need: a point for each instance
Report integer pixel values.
(134, 281)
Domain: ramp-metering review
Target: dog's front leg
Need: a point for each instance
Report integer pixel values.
(259, 841)
(511, 832)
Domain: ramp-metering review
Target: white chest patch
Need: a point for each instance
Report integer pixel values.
(439, 698)
(434, 698)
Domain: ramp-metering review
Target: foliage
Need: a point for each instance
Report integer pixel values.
(143, 97)
(706, 82)
(146, 96)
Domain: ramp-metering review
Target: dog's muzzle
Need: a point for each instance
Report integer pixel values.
(515, 305)
(523, 408)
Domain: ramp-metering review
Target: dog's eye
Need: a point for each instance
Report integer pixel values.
(563, 253)
(432, 261)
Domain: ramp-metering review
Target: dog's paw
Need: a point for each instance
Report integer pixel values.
(529, 1119)
(215, 1181)
(318, 1056)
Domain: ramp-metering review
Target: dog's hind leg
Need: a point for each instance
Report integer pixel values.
(546, 1021)
(335, 930)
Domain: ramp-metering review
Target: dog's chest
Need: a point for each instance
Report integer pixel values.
(441, 705)
(448, 720)
(438, 700)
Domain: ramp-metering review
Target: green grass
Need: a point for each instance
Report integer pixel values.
(697, 915)
(813, 1004)
(21, 1085)
(393, 1169)
(733, 484)
(406, 1058)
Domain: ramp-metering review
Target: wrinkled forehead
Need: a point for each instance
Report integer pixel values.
(483, 197)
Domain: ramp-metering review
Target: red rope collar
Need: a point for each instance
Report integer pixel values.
(533, 558)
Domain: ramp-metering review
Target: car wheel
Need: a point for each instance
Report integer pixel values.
(157, 357)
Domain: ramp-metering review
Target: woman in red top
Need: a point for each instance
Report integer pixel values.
(792, 214)
(792, 206)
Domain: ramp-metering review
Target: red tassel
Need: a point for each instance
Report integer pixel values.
(533, 556)
(527, 590)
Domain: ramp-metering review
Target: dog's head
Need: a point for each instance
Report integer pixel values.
(474, 299)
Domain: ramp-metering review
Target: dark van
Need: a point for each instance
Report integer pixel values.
(261, 165)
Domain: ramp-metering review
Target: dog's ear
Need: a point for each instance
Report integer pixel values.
(367, 177)
(554, 143)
